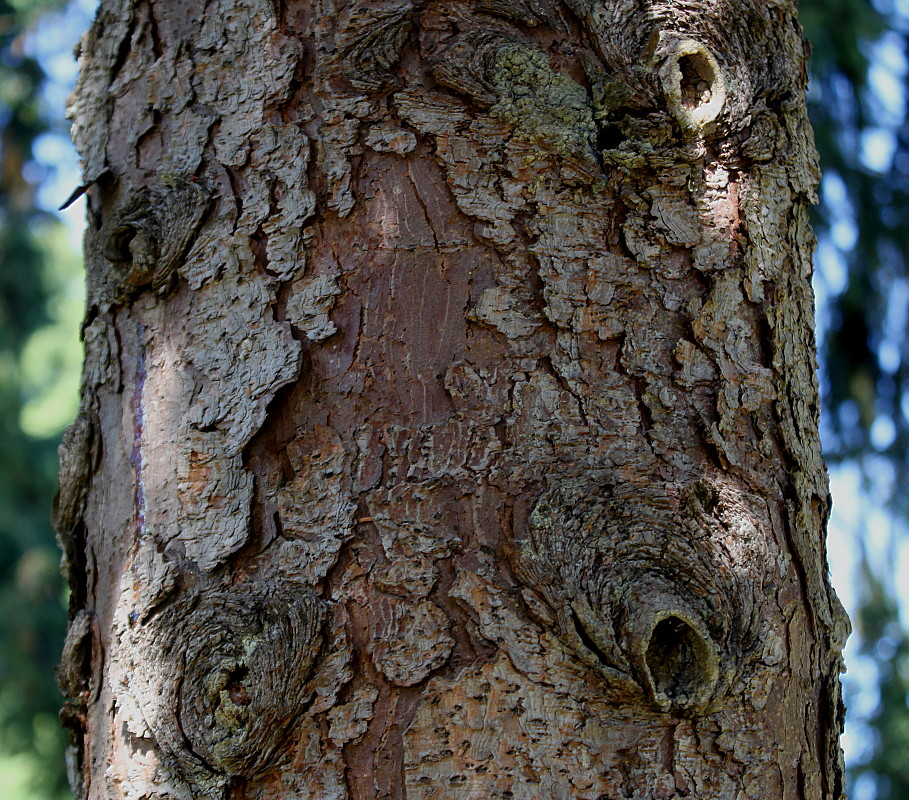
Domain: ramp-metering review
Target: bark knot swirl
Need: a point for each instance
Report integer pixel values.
(370, 43)
(148, 235)
(657, 590)
(223, 675)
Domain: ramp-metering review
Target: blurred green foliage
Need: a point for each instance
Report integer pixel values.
(884, 772)
(858, 104)
(39, 362)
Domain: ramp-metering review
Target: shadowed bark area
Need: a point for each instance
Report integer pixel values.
(449, 423)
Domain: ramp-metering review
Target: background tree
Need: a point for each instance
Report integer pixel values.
(858, 110)
(449, 368)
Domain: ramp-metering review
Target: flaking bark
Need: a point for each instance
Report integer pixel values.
(449, 420)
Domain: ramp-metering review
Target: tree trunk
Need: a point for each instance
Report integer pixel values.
(449, 420)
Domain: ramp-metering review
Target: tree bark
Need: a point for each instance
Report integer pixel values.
(449, 419)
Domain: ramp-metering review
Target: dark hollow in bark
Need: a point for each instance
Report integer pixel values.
(682, 665)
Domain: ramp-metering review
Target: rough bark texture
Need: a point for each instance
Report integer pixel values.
(449, 422)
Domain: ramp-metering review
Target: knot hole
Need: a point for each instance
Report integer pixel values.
(682, 663)
(697, 77)
(118, 245)
(693, 84)
(132, 248)
(236, 689)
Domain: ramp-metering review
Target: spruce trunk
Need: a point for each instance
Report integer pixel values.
(449, 416)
